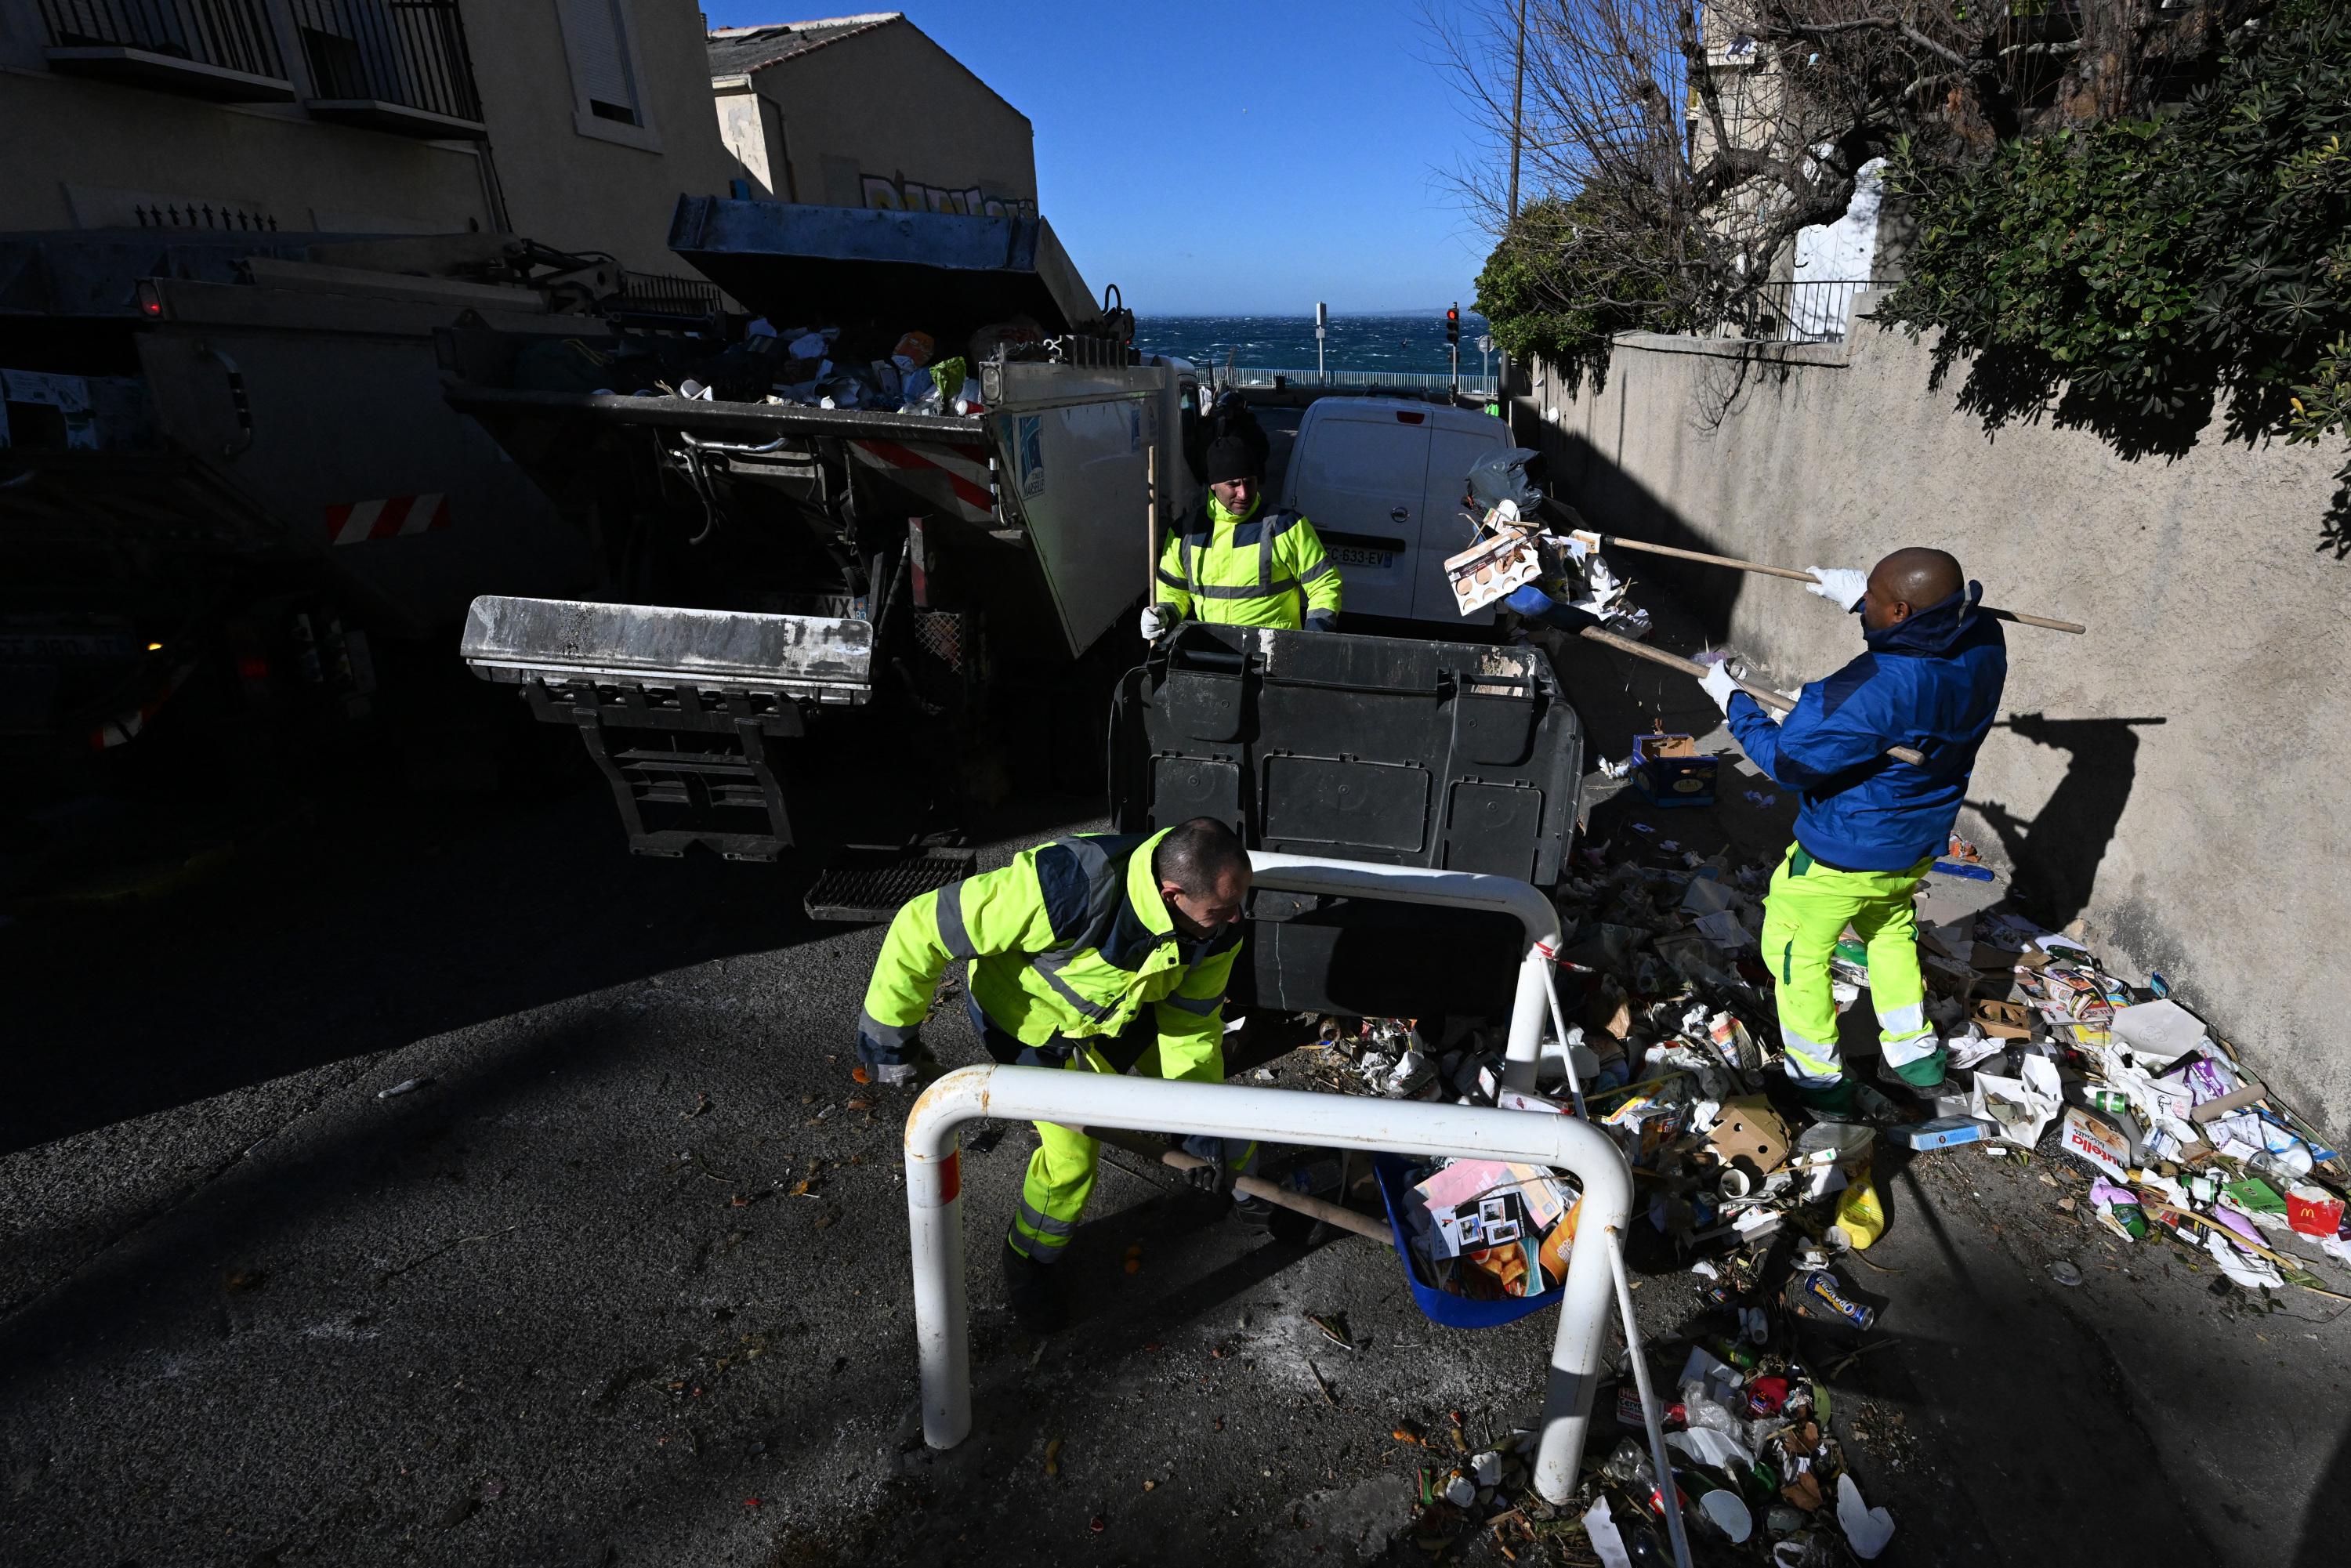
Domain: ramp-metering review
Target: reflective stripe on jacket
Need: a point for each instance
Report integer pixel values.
(1267, 569)
(1068, 943)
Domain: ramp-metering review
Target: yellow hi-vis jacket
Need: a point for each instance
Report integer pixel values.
(1066, 945)
(1267, 569)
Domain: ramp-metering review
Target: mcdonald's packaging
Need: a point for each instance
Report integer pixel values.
(2313, 1211)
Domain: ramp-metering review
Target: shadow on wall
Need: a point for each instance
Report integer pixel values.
(1580, 473)
(2057, 852)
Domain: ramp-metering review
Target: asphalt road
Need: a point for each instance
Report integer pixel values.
(624, 1281)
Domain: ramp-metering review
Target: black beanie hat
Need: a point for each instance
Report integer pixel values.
(1232, 457)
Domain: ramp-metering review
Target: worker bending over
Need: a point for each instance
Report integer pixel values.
(1237, 561)
(1870, 826)
(1098, 953)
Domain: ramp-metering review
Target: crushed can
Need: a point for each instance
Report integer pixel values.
(1820, 1297)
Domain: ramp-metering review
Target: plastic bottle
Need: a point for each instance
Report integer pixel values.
(1860, 1217)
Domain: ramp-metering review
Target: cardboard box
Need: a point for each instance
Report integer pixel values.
(1942, 1133)
(1750, 1130)
(1669, 770)
(2002, 1021)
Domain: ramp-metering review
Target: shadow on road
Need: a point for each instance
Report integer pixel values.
(391, 920)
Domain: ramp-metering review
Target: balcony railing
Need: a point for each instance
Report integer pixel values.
(395, 65)
(217, 48)
(1797, 311)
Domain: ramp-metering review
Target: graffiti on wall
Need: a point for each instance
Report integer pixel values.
(904, 195)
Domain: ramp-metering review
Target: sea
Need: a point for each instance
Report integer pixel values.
(1393, 345)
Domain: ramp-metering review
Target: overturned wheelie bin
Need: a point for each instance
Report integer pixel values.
(1394, 750)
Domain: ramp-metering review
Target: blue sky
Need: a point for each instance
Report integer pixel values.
(1213, 157)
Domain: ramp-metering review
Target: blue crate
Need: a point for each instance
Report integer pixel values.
(1393, 1172)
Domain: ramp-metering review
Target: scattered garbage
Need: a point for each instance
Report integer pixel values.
(1670, 1027)
(1488, 1231)
(405, 1086)
(1670, 771)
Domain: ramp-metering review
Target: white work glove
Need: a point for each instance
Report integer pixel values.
(1158, 620)
(1840, 585)
(1719, 685)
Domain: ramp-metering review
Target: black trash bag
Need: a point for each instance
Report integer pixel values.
(1505, 475)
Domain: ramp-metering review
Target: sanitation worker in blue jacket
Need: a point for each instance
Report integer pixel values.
(1870, 826)
(1099, 953)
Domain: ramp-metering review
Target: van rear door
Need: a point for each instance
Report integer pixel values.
(1449, 520)
(1360, 474)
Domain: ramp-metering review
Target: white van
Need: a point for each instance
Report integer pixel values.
(1384, 481)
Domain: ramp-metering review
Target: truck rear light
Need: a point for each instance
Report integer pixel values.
(252, 667)
(151, 300)
(1403, 417)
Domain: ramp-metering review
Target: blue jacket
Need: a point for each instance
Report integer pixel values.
(1934, 682)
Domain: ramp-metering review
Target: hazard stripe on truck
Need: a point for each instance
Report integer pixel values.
(957, 476)
(359, 521)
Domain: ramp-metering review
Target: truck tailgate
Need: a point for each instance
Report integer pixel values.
(567, 640)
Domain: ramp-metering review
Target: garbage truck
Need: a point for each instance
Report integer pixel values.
(827, 580)
(235, 508)
(897, 519)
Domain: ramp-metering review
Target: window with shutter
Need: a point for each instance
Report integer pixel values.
(600, 59)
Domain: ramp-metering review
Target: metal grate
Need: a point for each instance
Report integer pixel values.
(945, 635)
(868, 886)
(661, 300)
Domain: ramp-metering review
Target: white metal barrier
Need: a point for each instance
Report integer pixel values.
(1457, 889)
(935, 1209)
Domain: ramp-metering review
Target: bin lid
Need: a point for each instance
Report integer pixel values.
(787, 260)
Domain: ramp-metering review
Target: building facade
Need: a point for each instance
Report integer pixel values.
(867, 111)
(576, 123)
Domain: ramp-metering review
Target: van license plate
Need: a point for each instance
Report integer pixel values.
(1355, 555)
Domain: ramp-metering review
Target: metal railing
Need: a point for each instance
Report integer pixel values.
(229, 34)
(1797, 311)
(1361, 381)
(935, 1209)
(407, 52)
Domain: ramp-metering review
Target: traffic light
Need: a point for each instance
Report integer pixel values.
(1452, 326)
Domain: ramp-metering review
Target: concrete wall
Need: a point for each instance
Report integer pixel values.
(578, 181)
(81, 154)
(886, 117)
(2174, 778)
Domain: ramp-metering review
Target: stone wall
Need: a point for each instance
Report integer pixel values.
(2173, 779)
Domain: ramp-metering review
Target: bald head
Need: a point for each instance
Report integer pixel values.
(1908, 581)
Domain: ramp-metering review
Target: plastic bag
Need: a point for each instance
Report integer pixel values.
(1501, 477)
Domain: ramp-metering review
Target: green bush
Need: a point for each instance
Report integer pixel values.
(2135, 277)
(1559, 287)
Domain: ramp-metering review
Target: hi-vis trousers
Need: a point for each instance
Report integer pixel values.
(1805, 912)
(1062, 1172)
